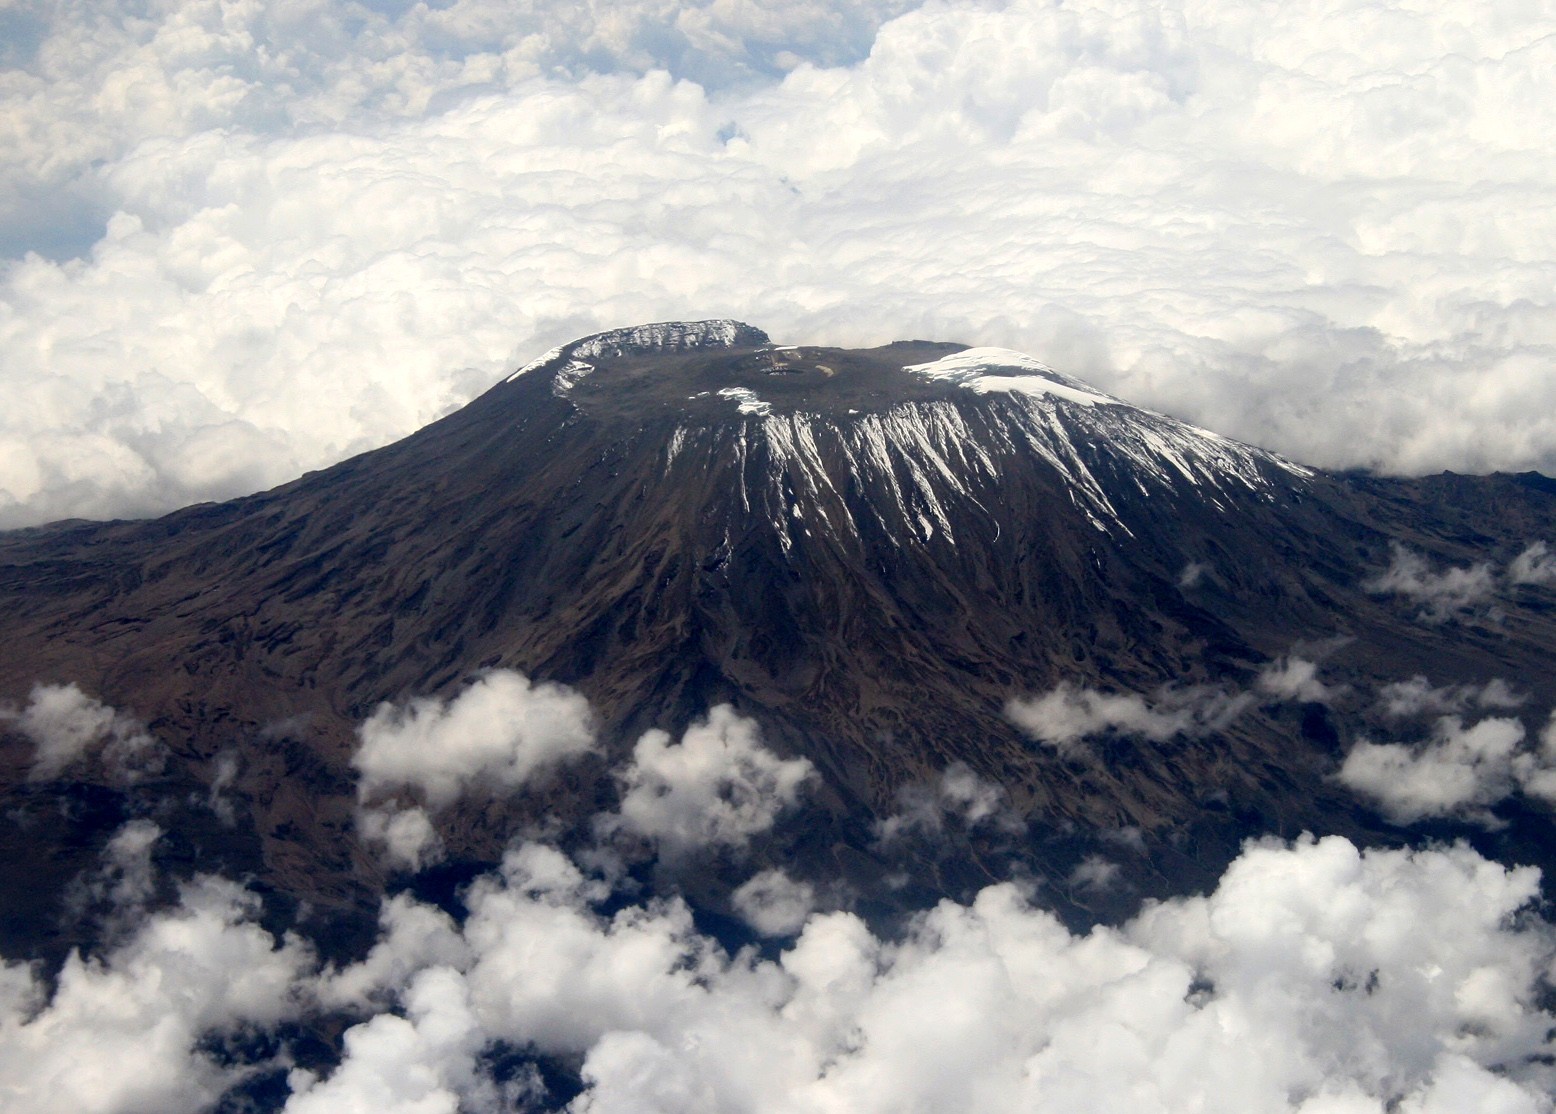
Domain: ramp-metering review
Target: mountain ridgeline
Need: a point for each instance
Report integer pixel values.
(870, 552)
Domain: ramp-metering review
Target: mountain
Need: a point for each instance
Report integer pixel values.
(870, 552)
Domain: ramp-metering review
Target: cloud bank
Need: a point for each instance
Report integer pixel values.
(1315, 978)
(243, 241)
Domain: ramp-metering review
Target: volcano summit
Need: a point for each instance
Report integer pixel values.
(906, 564)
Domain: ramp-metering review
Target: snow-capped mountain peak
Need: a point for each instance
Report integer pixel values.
(919, 428)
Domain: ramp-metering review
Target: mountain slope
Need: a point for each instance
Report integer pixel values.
(871, 552)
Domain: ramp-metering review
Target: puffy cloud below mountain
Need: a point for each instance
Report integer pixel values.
(1069, 714)
(717, 787)
(273, 237)
(498, 734)
(1459, 770)
(958, 796)
(1439, 595)
(1316, 977)
(67, 727)
(139, 1028)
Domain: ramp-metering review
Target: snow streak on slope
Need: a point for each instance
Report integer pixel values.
(903, 465)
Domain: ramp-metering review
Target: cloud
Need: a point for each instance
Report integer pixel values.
(136, 1029)
(1294, 678)
(406, 834)
(1535, 565)
(1096, 872)
(1069, 714)
(773, 903)
(1536, 771)
(271, 238)
(1193, 573)
(497, 735)
(1459, 771)
(1418, 695)
(412, 1064)
(717, 787)
(66, 726)
(1314, 977)
(126, 882)
(1441, 595)
(958, 795)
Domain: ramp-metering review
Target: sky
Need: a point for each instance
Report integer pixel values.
(240, 240)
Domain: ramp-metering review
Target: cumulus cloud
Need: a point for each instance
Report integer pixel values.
(1294, 678)
(66, 726)
(405, 833)
(1096, 872)
(1069, 714)
(773, 903)
(1441, 595)
(496, 735)
(1459, 770)
(1536, 771)
(125, 883)
(717, 787)
(137, 1028)
(268, 238)
(1316, 977)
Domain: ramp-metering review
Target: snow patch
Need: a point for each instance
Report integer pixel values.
(663, 336)
(538, 363)
(567, 378)
(1001, 369)
(747, 401)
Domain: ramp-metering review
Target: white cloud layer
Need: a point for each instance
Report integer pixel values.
(1316, 978)
(272, 236)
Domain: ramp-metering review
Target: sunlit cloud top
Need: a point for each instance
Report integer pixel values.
(241, 240)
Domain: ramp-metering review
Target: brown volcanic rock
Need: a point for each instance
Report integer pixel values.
(869, 560)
